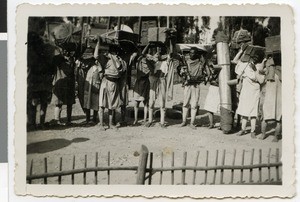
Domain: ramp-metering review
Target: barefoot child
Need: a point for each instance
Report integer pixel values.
(92, 88)
(141, 88)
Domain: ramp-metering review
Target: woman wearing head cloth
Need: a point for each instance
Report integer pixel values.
(250, 92)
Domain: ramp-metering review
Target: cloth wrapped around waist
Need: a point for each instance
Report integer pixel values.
(113, 79)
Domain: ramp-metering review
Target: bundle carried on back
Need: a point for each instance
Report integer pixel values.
(273, 44)
(67, 36)
(253, 51)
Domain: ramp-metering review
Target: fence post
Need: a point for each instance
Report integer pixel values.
(30, 171)
(141, 171)
(46, 170)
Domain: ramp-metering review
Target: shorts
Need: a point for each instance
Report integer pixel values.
(109, 96)
(191, 96)
(158, 91)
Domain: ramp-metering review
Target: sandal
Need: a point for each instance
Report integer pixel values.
(193, 126)
(275, 139)
(149, 124)
(101, 127)
(242, 132)
(163, 125)
(211, 126)
(183, 124)
(253, 135)
(263, 136)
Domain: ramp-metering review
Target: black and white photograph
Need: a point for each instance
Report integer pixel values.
(187, 100)
(154, 100)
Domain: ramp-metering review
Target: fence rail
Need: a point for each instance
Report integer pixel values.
(81, 170)
(145, 171)
(225, 167)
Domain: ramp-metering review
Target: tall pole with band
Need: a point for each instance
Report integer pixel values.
(224, 76)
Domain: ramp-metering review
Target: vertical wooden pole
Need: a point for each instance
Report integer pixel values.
(47, 30)
(141, 171)
(233, 163)
(224, 76)
(158, 21)
(96, 164)
(161, 165)
(260, 160)
(269, 168)
(242, 170)
(119, 23)
(216, 163)
(183, 171)
(150, 168)
(169, 26)
(60, 169)
(108, 24)
(173, 164)
(206, 164)
(277, 168)
(196, 164)
(222, 170)
(30, 170)
(140, 28)
(46, 169)
(108, 164)
(85, 166)
(72, 176)
(251, 163)
(82, 34)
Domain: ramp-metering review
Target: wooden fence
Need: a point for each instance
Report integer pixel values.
(265, 172)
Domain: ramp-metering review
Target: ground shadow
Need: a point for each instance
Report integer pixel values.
(174, 115)
(52, 145)
(74, 118)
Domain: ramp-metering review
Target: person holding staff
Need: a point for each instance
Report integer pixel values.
(250, 92)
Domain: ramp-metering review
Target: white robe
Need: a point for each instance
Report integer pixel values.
(250, 93)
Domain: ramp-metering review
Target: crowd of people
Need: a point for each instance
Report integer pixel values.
(103, 75)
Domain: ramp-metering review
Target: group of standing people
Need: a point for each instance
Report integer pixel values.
(104, 77)
(258, 89)
(105, 84)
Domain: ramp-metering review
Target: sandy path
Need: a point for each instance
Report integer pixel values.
(124, 146)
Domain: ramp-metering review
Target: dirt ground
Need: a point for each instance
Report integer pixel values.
(124, 146)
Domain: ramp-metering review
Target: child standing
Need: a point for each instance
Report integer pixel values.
(141, 88)
(91, 89)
